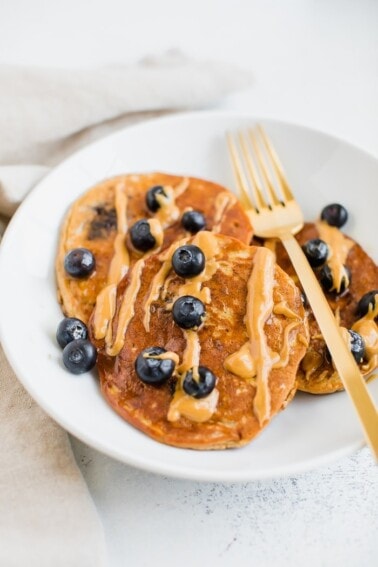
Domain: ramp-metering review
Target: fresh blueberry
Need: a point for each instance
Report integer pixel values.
(203, 387)
(188, 312)
(193, 221)
(188, 261)
(79, 356)
(316, 252)
(79, 263)
(326, 279)
(70, 329)
(366, 302)
(335, 215)
(154, 370)
(357, 346)
(151, 201)
(141, 237)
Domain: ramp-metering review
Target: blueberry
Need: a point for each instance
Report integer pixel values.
(188, 312)
(193, 221)
(151, 201)
(79, 263)
(141, 237)
(316, 252)
(335, 215)
(326, 279)
(188, 261)
(70, 329)
(365, 302)
(154, 370)
(203, 387)
(357, 346)
(79, 356)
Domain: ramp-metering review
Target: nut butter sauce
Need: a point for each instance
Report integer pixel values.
(254, 360)
(168, 212)
(368, 329)
(106, 300)
(198, 410)
(259, 308)
(339, 247)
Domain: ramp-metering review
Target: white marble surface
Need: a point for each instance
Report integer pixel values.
(315, 63)
(327, 518)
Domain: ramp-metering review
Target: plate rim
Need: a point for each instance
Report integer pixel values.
(175, 471)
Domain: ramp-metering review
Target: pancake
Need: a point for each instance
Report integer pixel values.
(99, 221)
(252, 306)
(316, 373)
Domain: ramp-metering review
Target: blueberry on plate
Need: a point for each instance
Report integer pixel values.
(366, 302)
(151, 201)
(193, 221)
(203, 387)
(154, 370)
(79, 263)
(188, 312)
(70, 329)
(141, 237)
(326, 280)
(335, 215)
(188, 261)
(316, 252)
(357, 346)
(79, 356)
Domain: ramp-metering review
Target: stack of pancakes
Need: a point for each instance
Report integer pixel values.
(254, 338)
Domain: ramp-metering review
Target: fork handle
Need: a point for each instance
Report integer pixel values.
(342, 358)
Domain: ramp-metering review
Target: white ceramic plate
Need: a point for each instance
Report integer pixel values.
(313, 430)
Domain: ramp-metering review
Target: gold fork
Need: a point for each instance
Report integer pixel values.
(279, 216)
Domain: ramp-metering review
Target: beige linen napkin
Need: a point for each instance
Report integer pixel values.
(47, 517)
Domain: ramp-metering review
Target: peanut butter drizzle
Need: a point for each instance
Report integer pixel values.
(196, 410)
(282, 308)
(285, 353)
(209, 246)
(302, 339)
(168, 211)
(106, 300)
(241, 363)
(311, 361)
(368, 329)
(271, 244)
(159, 280)
(127, 309)
(255, 358)
(104, 311)
(339, 247)
(223, 202)
(182, 404)
(120, 261)
(259, 308)
(191, 356)
(157, 231)
(169, 355)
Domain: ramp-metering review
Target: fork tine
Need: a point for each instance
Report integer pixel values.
(254, 182)
(277, 166)
(264, 171)
(241, 180)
